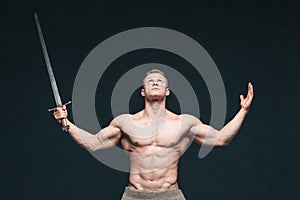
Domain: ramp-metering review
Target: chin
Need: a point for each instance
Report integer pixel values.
(155, 98)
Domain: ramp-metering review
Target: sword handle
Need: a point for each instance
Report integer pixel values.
(64, 124)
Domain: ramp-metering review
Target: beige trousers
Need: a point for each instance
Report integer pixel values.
(133, 194)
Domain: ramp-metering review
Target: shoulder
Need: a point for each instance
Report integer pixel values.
(137, 115)
(190, 119)
(121, 116)
(120, 120)
(184, 117)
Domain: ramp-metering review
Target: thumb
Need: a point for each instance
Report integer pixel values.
(241, 97)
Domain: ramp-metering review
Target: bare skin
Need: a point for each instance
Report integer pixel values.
(155, 137)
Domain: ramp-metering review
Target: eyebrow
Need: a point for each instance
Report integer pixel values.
(160, 78)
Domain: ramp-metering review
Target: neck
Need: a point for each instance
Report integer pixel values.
(155, 109)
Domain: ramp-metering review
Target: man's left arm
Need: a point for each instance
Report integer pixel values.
(207, 135)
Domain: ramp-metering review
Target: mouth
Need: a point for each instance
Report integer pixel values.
(155, 88)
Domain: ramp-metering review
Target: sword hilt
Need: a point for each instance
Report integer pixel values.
(64, 124)
(52, 109)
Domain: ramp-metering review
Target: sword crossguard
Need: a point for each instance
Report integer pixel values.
(64, 124)
(52, 109)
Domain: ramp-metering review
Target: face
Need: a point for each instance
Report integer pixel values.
(155, 85)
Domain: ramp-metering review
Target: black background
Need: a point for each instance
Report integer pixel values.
(255, 42)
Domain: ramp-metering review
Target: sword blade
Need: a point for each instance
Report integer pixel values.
(48, 63)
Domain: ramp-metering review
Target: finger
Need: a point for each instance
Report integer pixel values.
(241, 97)
(251, 91)
(57, 116)
(64, 107)
(249, 87)
(60, 114)
(58, 109)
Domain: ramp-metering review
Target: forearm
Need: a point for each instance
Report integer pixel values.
(228, 132)
(105, 138)
(85, 139)
(209, 136)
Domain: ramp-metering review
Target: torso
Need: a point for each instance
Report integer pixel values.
(154, 149)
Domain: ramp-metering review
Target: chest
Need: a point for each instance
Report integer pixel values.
(167, 133)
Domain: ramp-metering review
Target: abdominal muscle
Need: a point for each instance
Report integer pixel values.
(153, 167)
(158, 180)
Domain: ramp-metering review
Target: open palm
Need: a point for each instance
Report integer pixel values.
(246, 102)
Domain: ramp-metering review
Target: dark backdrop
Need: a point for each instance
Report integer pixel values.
(255, 42)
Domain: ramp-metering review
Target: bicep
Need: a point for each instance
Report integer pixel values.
(109, 135)
(198, 130)
(204, 134)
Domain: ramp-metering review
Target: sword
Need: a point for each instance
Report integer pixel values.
(55, 91)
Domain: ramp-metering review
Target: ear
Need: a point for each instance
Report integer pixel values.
(167, 91)
(143, 92)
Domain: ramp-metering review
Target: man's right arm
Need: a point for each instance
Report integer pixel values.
(105, 138)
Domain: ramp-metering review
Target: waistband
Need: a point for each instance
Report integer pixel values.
(171, 194)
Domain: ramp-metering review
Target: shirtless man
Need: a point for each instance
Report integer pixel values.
(155, 138)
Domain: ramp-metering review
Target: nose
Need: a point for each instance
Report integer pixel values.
(155, 83)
